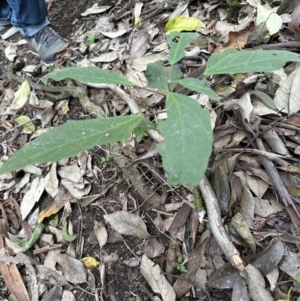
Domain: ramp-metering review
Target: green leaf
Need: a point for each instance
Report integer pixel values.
(90, 39)
(298, 278)
(144, 125)
(188, 140)
(26, 245)
(200, 86)
(155, 74)
(178, 42)
(84, 75)
(162, 78)
(241, 61)
(265, 98)
(65, 233)
(72, 138)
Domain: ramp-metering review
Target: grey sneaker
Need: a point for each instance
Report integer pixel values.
(7, 31)
(47, 43)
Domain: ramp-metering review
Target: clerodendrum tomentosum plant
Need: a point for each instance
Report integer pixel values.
(187, 131)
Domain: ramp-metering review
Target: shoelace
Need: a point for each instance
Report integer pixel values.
(47, 35)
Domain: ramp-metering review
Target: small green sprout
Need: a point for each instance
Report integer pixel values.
(180, 265)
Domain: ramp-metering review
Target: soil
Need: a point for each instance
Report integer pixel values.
(65, 15)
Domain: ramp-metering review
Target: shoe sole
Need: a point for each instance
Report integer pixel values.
(9, 33)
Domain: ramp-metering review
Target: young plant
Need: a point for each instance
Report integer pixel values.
(180, 265)
(187, 132)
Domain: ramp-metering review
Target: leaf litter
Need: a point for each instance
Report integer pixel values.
(121, 234)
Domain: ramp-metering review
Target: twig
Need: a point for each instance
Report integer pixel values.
(216, 225)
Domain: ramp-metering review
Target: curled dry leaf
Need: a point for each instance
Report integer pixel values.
(127, 223)
(156, 279)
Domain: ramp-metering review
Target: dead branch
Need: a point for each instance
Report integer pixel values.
(216, 225)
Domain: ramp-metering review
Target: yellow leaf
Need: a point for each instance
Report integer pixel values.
(183, 24)
(90, 262)
(65, 110)
(60, 201)
(28, 126)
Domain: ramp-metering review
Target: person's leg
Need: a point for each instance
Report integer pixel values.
(5, 13)
(6, 29)
(29, 17)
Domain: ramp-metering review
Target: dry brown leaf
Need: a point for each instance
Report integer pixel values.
(266, 208)
(181, 217)
(286, 98)
(247, 207)
(32, 196)
(127, 223)
(156, 279)
(153, 248)
(73, 269)
(101, 233)
(257, 185)
(13, 281)
(239, 224)
(240, 291)
(256, 284)
(51, 181)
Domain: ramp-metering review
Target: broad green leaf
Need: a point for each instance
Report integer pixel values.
(90, 74)
(162, 78)
(155, 74)
(200, 86)
(188, 140)
(183, 23)
(178, 42)
(240, 61)
(72, 138)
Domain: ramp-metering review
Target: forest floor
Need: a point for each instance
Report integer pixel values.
(155, 246)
